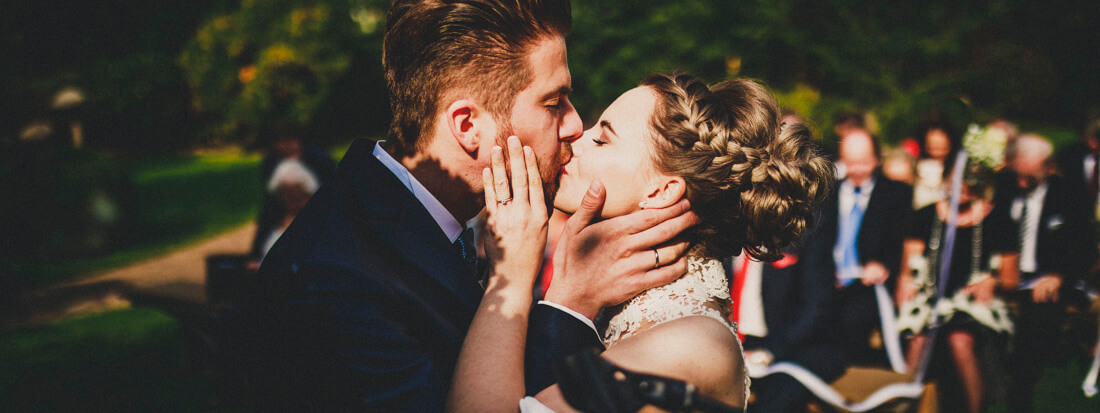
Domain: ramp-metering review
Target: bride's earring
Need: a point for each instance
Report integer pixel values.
(642, 204)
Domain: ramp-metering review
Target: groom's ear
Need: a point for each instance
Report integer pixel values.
(666, 191)
(467, 123)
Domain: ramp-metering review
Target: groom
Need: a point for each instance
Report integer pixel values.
(366, 298)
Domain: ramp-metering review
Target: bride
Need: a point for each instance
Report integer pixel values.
(753, 182)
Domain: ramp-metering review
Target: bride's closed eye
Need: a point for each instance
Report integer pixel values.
(599, 142)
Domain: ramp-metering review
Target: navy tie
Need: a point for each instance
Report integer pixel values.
(467, 250)
(465, 246)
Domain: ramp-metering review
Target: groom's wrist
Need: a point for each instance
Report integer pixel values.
(583, 308)
(586, 320)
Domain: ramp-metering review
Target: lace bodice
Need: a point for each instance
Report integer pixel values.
(705, 282)
(700, 292)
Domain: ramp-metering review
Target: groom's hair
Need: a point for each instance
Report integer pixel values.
(435, 49)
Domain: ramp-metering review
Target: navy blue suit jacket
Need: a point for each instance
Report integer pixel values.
(883, 229)
(364, 302)
(799, 301)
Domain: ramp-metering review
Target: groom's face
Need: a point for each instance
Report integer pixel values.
(542, 116)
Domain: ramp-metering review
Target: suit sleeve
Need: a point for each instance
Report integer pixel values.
(335, 349)
(901, 212)
(816, 290)
(552, 335)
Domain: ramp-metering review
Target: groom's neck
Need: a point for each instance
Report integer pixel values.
(443, 179)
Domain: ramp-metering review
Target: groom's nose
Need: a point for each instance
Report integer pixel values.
(571, 127)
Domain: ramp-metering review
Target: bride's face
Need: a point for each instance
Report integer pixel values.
(617, 151)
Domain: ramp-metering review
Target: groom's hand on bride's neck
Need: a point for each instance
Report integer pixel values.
(603, 263)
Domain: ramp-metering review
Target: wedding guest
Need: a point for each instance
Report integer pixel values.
(291, 184)
(1057, 246)
(863, 224)
(1079, 165)
(897, 165)
(785, 310)
(365, 300)
(975, 321)
(938, 141)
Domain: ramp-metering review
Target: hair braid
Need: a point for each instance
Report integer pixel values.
(753, 182)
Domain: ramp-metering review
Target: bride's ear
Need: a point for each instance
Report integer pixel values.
(666, 190)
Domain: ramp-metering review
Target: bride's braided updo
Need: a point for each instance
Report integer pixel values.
(753, 182)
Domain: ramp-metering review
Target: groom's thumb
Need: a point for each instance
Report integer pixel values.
(590, 207)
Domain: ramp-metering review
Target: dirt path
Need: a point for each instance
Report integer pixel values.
(178, 276)
(185, 266)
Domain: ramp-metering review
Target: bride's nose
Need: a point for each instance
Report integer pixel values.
(579, 144)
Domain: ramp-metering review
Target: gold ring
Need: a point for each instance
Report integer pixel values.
(656, 259)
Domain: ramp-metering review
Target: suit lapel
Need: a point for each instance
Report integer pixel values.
(395, 215)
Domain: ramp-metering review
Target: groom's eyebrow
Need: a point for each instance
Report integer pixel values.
(562, 91)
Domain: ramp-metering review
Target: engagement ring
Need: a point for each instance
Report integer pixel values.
(504, 201)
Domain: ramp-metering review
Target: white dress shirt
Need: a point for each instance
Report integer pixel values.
(846, 198)
(442, 216)
(750, 304)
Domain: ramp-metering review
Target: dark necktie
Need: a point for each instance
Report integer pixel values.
(467, 250)
(1024, 225)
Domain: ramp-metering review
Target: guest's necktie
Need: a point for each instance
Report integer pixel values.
(467, 250)
(1024, 225)
(850, 262)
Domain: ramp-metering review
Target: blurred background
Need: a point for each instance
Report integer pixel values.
(134, 130)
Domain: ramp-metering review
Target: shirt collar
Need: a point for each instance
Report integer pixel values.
(447, 222)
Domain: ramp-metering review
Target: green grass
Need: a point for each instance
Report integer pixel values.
(1060, 391)
(122, 360)
(177, 202)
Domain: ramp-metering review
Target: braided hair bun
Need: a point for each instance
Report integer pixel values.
(753, 182)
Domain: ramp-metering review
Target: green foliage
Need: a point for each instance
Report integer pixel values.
(172, 202)
(277, 62)
(900, 61)
(123, 360)
(119, 53)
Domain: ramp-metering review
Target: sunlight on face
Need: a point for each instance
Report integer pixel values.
(616, 151)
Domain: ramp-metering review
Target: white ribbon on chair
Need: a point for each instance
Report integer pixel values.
(827, 394)
(1089, 386)
(889, 329)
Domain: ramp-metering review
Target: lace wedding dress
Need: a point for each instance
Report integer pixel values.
(704, 283)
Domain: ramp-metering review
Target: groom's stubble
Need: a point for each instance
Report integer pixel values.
(550, 170)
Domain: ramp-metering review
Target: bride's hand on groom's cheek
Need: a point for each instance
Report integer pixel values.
(516, 216)
(605, 263)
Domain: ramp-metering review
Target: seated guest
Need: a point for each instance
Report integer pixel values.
(899, 166)
(938, 141)
(291, 184)
(285, 145)
(1057, 246)
(1079, 165)
(973, 321)
(863, 223)
(785, 312)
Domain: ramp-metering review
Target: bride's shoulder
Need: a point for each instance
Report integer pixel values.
(698, 349)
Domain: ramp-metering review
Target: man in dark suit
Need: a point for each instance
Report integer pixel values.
(786, 311)
(863, 222)
(364, 302)
(1057, 247)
